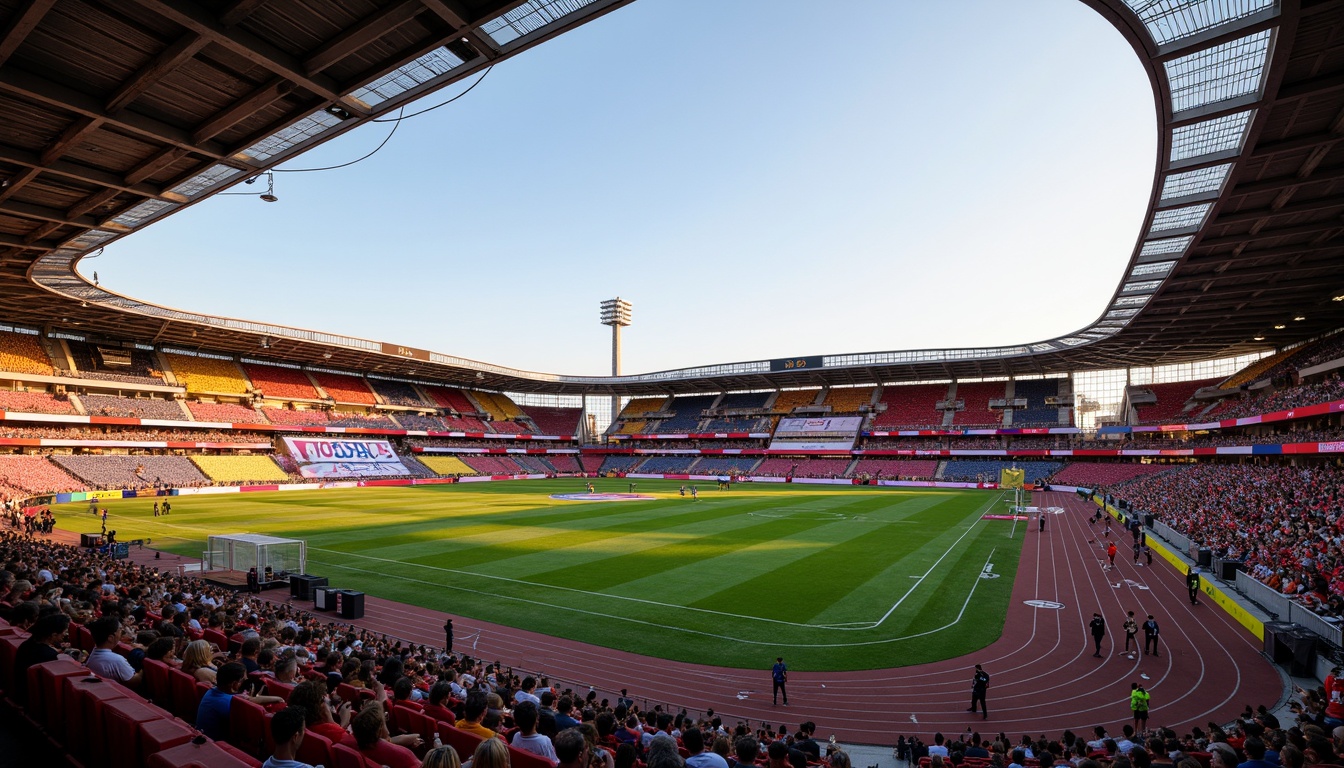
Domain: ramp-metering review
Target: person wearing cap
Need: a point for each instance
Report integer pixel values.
(1098, 628)
(1192, 583)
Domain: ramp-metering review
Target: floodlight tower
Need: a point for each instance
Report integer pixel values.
(616, 313)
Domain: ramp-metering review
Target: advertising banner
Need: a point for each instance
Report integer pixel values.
(821, 433)
(322, 457)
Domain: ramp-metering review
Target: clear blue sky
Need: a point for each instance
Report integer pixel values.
(760, 180)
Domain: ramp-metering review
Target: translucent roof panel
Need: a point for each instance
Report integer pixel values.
(215, 174)
(1195, 182)
(1205, 138)
(529, 17)
(1130, 301)
(1169, 245)
(1156, 268)
(1142, 286)
(141, 213)
(434, 64)
(1179, 218)
(1168, 20)
(1219, 73)
(293, 135)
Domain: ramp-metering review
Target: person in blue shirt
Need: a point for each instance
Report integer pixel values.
(212, 716)
(780, 675)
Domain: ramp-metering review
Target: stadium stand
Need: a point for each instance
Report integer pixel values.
(228, 412)
(635, 427)
(414, 466)
(420, 421)
(554, 421)
(890, 469)
(1305, 356)
(1320, 391)
(1171, 400)
(491, 465)
(94, 362)
(344, 388)
(1086, 474)
(533, 464)
(793, 398)
(132, 471)
(668, 464)
(617, 463)
(592, 463)
(132, 407)
(463, 424)
(207, 374)
(23, 353)
(687, 413)
(281, 383)
(564, 462)
(1256, 370)
(309, 418)
(445, 465)
(987, 471)
(34, 402)
(1278, 527)
(1037, 413)
(643, 405)
(976, 398)
(397, 393)
(738, 424)
(241, 469)
(912, 406)
(361, 420)
(498, 405)
(452, 399)
(785, 466)
(848, 399)
(34, 475)
(725, 465)
(743, 400)
(507, 427)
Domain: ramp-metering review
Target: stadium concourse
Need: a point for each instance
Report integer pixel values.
(1045, 678)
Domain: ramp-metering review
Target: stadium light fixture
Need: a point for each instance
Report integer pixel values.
(616, 313)
(1338, 298)
(1280, 327)
(1299, 318)
(1258, 337)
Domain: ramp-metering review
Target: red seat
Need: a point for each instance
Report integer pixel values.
(9, 645)
(205, 755)
(240, 755)
(401, 720)
(158, 735)
(464, 743)
(345, 757)
(247, 726)
(424, 725)
(182, 694)
(82, 703)
(120, 745)
(276, 688)
(81, 637)
(220, 639)
(44, 688)
(315, 750)
(157, 686)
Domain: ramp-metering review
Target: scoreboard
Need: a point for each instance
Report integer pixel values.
(795, 363)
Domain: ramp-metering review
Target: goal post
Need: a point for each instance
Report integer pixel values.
(243, 551)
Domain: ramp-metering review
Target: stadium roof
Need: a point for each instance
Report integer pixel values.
(115, 115)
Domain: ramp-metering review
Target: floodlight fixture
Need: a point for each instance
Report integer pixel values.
(616, 312)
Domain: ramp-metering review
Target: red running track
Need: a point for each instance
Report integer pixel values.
(1044, 677)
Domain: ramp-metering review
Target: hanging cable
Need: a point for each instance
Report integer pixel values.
(396, 123)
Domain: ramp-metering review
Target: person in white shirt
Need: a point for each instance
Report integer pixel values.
(525, 693)
(938, 747)
(103, 661)
(525, 716)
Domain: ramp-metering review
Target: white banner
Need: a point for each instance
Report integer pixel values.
(322, 457)
(843, 424)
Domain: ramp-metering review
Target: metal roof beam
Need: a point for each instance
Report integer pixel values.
(255, 50)
(240, 110)
(1287, 182)
(1267, 234)
(1311, 206)
(238, 11)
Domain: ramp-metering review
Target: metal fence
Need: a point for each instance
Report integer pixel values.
(1164, 531)
(1283, 608)
(1297, 614)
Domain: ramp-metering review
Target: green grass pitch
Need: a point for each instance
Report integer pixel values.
(833, 577)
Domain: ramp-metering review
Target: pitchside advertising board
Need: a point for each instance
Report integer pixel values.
(823, 433)
(320, 457)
